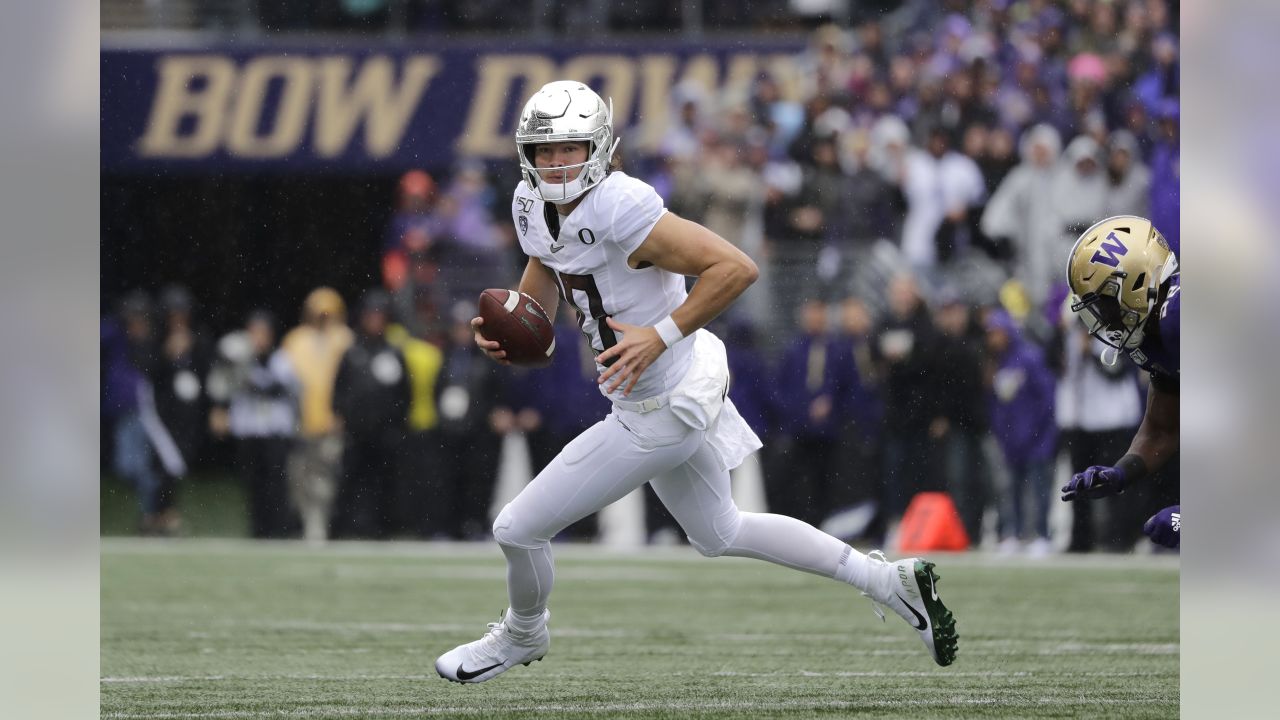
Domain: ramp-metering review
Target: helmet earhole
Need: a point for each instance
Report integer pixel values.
(1137, 282)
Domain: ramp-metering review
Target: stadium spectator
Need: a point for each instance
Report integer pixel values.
(1022, 407)
(859, 408)
(254, 399)
(961, 417)
(315, 349)
(419, 454)
(174, 362)
(904, 346)
(128, 403)
(1022, 214)
(1166, 173)
(1097, 408)
(182, 364)
(726, 194)
(1128, 178)
(371, 401)
(412, 246)
(473, 250)
(474, 416)
(807, 390)
(941, 186)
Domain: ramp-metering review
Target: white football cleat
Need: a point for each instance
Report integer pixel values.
(501, 649)
(909, 588)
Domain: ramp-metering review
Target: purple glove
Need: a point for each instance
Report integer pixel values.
(1095, 482)
(1164, 528)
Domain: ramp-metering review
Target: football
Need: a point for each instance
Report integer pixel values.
(518, 323)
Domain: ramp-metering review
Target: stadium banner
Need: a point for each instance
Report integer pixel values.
(323, 107)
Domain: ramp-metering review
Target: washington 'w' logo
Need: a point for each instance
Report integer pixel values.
(1109, 251)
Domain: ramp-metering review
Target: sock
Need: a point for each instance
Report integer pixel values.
(530, 575)
(855, 569)
(799, 545)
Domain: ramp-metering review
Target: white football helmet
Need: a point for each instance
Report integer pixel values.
(566, 111)
(1115, 272)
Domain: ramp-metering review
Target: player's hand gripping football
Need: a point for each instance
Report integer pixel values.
(490, 347)
(637, 350)
(1095, 482)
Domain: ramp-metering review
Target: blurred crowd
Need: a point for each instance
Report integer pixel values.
(911, 213)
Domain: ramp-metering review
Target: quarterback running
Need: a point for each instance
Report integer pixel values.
(603, 242)
(1127, 289)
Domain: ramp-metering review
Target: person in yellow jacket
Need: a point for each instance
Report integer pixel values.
(314, 349)
(420, 456)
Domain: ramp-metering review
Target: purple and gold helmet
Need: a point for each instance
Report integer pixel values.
(1115, 272)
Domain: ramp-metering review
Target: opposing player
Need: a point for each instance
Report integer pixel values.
(1126, 287)
(603, 242)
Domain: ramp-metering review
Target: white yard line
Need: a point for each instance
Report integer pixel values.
(575, 551)
(940, 674)
(671, 707)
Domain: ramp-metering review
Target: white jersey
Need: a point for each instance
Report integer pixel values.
(589, 260)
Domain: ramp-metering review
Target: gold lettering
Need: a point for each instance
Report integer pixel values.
(786, 72)
(500, 77)
(285, 134)
(703, 71)
(175, 99)
(656, 72)
(740, 74)
(373, 96)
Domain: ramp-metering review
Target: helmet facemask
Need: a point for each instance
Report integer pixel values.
(1106, 319)
(566, 112)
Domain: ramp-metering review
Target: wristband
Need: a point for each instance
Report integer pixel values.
(669, 331)
(1132, 467)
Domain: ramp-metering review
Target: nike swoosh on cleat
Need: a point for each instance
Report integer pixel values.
(924, 624)
(464, 675)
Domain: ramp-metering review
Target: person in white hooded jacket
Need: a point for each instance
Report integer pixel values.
(1022, 211)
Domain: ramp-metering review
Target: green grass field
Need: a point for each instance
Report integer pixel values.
(234, 629)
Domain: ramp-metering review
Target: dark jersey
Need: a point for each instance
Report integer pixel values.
(1158, 353)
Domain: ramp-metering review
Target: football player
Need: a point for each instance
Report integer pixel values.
(602, 242)
(1126, 287)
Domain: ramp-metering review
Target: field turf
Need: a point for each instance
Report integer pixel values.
(236, 629)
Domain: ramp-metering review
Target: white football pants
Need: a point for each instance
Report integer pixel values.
(619, 454)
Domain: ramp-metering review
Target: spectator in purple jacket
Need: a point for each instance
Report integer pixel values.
(806, 386)
(1022, 420)
(1166, 174)
(861, 412)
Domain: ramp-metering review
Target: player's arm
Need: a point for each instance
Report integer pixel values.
(1153, 445)
(1157, 438)
(538, 284)
(686, 248)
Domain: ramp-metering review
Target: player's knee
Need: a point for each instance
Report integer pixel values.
(717, 539)
(506, 531)
(709, 547)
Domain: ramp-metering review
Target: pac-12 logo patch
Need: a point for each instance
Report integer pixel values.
(524, 225)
